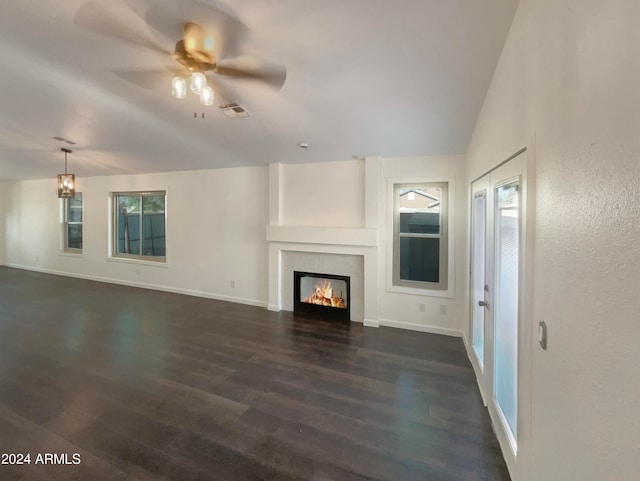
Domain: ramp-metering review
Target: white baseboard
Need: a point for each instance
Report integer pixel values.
(239, 300)
(143, 285)
(421, 328)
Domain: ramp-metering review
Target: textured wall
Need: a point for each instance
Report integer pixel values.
(570, 74)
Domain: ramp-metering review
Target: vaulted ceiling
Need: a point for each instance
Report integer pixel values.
(364, 77)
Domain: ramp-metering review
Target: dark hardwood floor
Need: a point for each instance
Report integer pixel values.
(147, 385)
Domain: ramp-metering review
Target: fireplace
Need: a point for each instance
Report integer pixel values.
(324, 296)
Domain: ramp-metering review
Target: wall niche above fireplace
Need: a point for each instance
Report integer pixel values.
(322, 296)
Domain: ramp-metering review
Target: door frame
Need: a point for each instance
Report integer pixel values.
(518, 461)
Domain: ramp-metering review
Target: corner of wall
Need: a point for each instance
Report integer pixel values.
(4, 212)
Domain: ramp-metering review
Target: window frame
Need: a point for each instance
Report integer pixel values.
(443, 284)
(66, 223)
(139, 258)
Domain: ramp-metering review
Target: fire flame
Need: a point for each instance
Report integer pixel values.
(323, 296)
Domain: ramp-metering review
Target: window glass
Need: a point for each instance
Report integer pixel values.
(140, 225)
(420, 259)
(74, 212)
(420, 235)
(73, 223)
(74, 236)
(153, 226)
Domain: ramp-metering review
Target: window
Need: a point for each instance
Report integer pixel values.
(140, 225)
(72, 223)
(420, 235)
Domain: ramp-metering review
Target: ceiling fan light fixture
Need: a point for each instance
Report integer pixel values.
(198, 82)
(179, 87)
(209, 43)
(206, 96)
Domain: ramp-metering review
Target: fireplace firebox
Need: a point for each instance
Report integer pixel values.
(324, 296)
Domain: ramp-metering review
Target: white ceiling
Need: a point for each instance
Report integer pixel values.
(364, 77)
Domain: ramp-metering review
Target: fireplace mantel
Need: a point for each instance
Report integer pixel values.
(323, 235)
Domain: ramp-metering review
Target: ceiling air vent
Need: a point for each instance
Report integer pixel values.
(63, 140)
(234, 111)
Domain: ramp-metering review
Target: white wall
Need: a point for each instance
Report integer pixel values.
(443, 311)
(357, 195)
(570, 74)
(216, 227)
(328, 194)
(3, 209)
(216, 220)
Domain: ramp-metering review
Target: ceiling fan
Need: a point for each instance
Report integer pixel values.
(209, 42)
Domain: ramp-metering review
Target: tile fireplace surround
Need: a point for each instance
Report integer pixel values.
(345, 252)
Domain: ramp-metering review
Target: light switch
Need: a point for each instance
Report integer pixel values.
(542, 334)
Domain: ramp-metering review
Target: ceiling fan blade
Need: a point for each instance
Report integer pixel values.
(223, 93)
(103, 18)
(147, 79)
(221, 28)
(253, 69)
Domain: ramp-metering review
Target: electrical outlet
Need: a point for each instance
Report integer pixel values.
(421, 307)
(443, 309)
(233, 284)
(137, 272)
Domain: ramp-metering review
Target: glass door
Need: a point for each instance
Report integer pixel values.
(497, 335)
(506, 303)
(479, 283)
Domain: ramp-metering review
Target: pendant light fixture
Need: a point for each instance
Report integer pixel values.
(66, 182)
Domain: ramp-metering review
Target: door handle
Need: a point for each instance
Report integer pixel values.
(483, 304)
